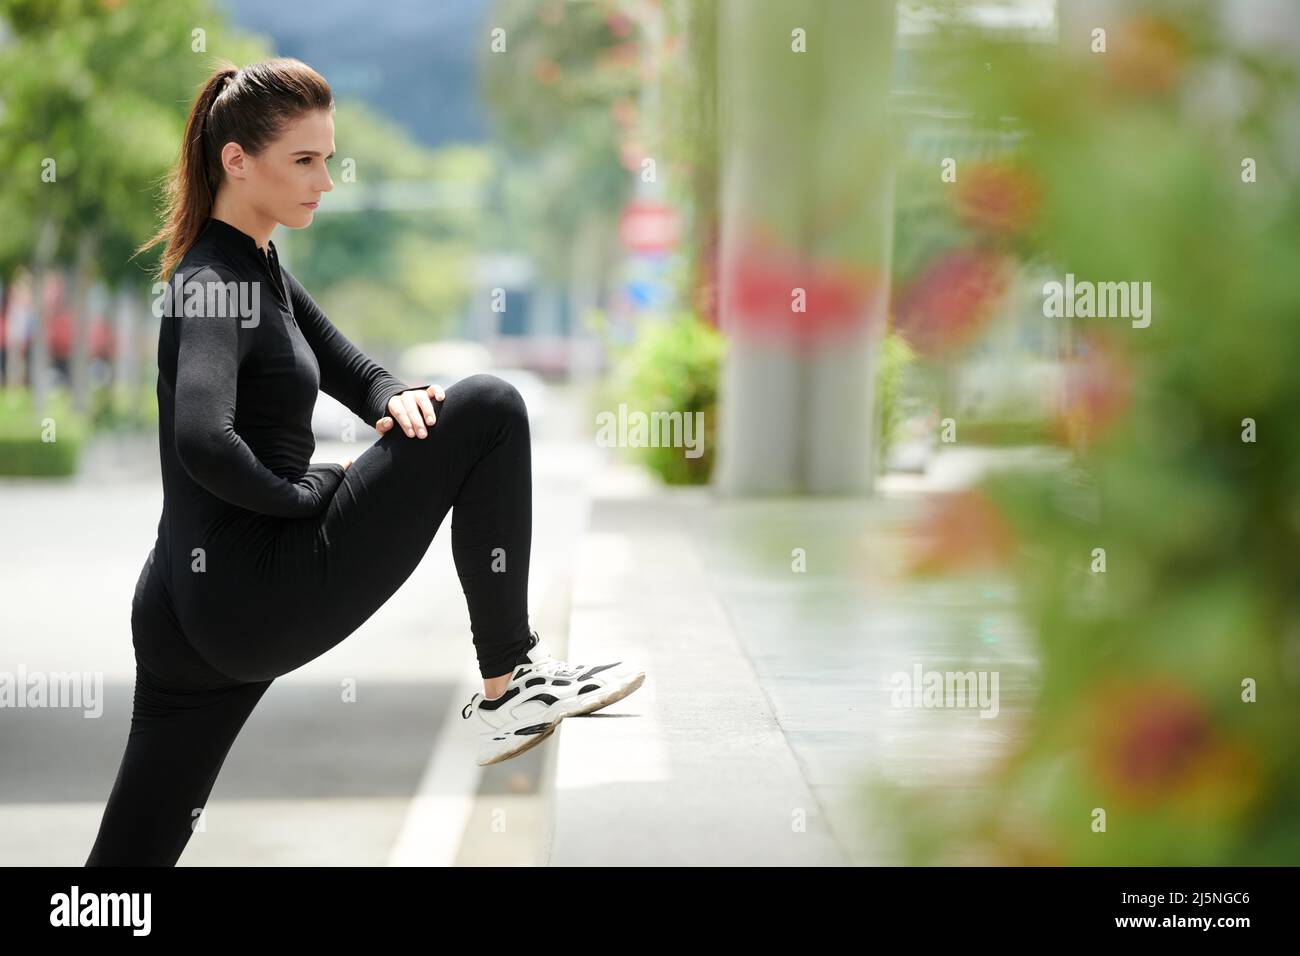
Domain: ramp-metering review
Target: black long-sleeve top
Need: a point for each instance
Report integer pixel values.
(235, 399)
(243, 353)
(236, 389)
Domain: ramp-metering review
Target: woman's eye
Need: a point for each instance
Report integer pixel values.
(305, 159)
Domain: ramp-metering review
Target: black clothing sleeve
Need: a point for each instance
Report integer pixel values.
(209, 448)
(346, 373)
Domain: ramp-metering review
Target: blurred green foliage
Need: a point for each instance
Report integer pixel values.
(115, 408)
(672, 366)
(45, 445)
(896, 356)
(95, 96)
(688, 134)
(1139, 707)
(571, 71)
(395, 276)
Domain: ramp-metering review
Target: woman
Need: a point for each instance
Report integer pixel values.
(263, 561)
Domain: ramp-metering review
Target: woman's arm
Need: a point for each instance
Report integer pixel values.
(209, 448)
(346, 372)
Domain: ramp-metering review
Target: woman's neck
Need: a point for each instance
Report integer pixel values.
(246, 220)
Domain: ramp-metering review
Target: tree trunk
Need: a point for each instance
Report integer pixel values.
(38, 373)
(126, 365)
(80, 300)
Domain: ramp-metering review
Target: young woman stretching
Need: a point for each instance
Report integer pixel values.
(263, 561)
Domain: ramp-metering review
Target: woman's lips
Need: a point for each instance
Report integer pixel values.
(311, 205)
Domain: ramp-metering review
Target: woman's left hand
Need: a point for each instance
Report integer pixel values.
(412, 410)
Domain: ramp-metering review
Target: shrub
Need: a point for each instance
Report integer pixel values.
(48, 444)
(673, 366)
(895, 358)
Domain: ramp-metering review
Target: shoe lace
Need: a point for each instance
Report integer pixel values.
(557, 668)
(549, 666)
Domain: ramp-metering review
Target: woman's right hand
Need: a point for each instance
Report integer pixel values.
(411, 411)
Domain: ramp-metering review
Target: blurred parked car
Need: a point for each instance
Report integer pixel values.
(443, 363)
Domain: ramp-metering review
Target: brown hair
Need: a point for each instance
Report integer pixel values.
(250, 107)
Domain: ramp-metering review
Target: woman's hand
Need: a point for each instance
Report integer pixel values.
(413, 410)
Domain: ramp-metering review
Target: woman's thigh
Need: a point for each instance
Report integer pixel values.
(349, 561)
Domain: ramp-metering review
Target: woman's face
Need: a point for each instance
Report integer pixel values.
(285, 181)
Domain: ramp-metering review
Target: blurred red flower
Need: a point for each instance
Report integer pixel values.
(949, 302)
(547, 72)
(631, 154)
(1145, 54)
(620, 56)
(961, 531)
(997, 197)
(619, 23)
(1153, 741)
(623, 109)
(1097, 391)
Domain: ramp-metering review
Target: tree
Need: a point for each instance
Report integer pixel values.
(90, 126)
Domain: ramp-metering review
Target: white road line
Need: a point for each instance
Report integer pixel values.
(439, 811)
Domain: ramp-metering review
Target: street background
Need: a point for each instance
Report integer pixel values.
(975, 540)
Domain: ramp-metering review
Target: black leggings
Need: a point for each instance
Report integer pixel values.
(325, 576)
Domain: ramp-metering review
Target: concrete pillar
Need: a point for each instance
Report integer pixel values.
(806, 223)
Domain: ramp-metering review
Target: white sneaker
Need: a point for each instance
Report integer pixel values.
(543, 691)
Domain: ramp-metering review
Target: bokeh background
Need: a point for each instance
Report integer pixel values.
(826, 227)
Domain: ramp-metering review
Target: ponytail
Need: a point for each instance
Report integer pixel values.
(190, 187)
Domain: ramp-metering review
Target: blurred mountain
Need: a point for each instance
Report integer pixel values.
(412, 60)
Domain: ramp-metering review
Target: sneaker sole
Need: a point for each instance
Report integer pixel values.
(597, 701)
(529, 743)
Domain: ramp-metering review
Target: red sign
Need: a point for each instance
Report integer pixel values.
(647, 226)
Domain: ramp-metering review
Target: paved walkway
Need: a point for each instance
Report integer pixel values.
(766, 716)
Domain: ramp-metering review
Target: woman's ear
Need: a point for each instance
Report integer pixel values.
(232, 160)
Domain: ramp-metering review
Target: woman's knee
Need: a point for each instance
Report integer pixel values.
(489, 394)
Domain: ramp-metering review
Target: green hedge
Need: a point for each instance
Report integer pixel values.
(113, 408)
(45, 444)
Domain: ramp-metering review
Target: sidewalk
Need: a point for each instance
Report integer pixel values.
(767, 702)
